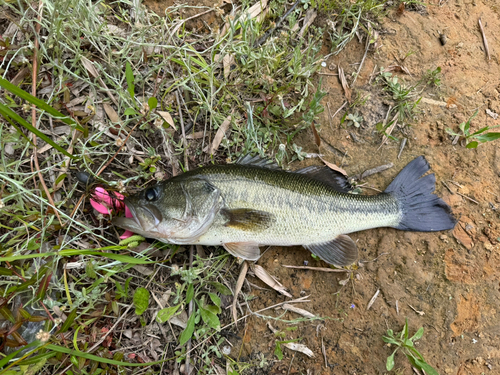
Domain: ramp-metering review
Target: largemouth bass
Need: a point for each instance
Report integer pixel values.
(251, 204)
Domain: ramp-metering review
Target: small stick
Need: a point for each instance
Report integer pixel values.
(369, 172)
(372, 75)
(323, 350)
(338, 110)
(363, 59)
(414, 309)
(328, 74)
(184, 143)
(372, 301)
(486, 48)
(322, 269)
(447, 187)
(466, 197)
(403, 144)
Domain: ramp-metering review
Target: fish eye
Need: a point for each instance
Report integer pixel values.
(151, 194)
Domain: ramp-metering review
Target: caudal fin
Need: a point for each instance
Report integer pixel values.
(422, 210)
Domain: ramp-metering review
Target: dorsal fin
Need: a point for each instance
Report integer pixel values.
(257, 161)
(330, 177)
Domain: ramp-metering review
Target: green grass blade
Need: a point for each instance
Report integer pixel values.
(39, 103)
(72, 252)
(8, 113)
(77, 353)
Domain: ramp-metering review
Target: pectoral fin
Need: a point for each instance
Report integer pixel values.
(341, 251)
(244, 250)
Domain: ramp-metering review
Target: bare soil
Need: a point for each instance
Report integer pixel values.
(448, 283)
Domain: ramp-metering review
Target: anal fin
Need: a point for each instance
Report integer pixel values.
(244, 250)
(341, 251)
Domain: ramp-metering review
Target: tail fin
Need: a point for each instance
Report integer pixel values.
(422, 211)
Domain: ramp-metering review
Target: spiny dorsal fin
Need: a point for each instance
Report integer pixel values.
(257, 161)
(247, 219)
(341, 251)
(330, 177)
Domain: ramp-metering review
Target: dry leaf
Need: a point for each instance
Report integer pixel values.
(345, 86)
(263, 275)
(308, 20)
(299, 311)
(113, 116)
(196, 135)
(168, 118)
(220, 134)
(257, 8)
(333, 166)
(227, 61)
(239, 284)
(89, 65)
(317, 139)
(299, 348)
(439, 103)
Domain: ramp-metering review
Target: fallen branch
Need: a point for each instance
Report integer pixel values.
(486, 48)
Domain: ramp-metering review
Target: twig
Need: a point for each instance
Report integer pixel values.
(447, 187)
(403, 144)
(322, 269)
(186, 165)
(466, 197)
(372, 75)
(338, 110)
(33, 112)
(323, 350)
(363, 59)
(369, 172)
(239, 284)
(372, 301)
(96, 345)
(328, 74)
(486, 48)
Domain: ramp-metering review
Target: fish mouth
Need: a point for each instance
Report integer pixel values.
(144, 219)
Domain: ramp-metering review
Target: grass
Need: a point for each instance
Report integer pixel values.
(107, 75)
(406, 344)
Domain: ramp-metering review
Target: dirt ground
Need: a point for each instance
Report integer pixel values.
(448, 283)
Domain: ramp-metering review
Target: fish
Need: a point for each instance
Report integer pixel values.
(253, 203)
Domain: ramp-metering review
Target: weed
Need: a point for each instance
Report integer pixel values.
(406, 344)
(472, 140)
(402, 94)
(433, 77)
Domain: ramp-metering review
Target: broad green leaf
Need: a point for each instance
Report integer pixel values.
(129, 75)
(491, 136)
(418, 335)
(210, 318)
(213, 309)
(69, 321)
(426, 367)
(188, 331)
(215, 299)
(9, 114)
(278, 352)
(141, 300)
(390, 340)
(130, 112)
(482, 130)
(472, 144)
(60, 178)
(152, 103)
(190, 293)
(390, 361)
(165, 314)
(221, 288)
